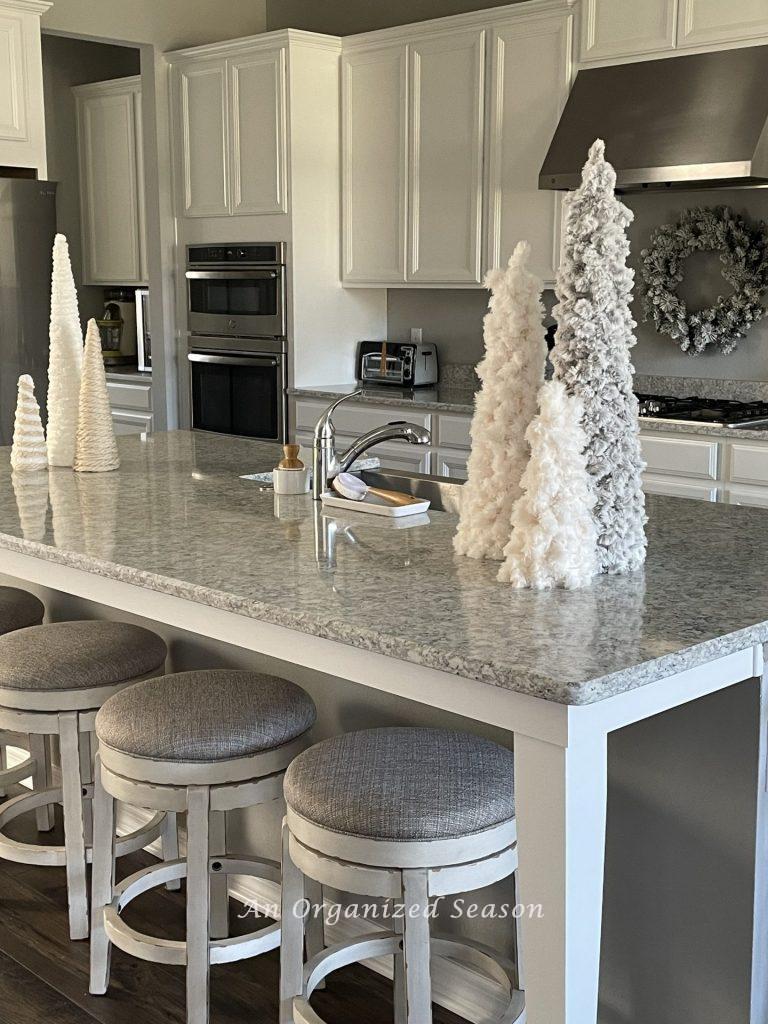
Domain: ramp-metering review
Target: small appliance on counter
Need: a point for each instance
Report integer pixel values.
(118, 327)
(405, 364)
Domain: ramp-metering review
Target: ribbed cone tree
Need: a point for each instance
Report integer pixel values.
(29, 453)
(96, 447)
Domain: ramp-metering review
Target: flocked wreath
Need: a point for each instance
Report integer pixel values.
(744, 254)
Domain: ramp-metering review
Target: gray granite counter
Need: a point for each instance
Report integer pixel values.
(177, 518)
(441, 398)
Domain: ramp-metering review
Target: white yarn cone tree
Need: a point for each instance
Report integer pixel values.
(65, 359)
(511, 374)
(554, 537)
(95, 448)
(591, 357)
(28, 451)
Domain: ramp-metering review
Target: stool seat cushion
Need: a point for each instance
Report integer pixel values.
(19, 609)
(205, 715)
(78, 655)
(403, 784)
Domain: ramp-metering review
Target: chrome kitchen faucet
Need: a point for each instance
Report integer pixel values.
(328, 463)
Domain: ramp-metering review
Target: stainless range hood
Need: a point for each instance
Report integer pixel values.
(697, 121)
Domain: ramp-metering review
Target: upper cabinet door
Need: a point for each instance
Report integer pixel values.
(257, 133)
(530, 74)
(202, 138)
(715, 21)
(623, 28)
(13, 90)
(446, 163)
(22, 115)
(375, 168)
(109, 184)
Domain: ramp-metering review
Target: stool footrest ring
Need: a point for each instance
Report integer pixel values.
(174, 951)
(55, 856)
(19, 772)
(342, 954)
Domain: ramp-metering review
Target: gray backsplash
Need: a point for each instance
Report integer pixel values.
(453, 318)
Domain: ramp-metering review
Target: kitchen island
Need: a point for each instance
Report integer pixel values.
(177, 536)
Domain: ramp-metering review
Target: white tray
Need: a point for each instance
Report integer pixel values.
(374, 505)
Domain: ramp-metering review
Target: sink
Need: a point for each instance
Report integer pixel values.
(443, 492)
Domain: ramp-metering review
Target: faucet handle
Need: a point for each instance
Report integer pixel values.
(325, 428)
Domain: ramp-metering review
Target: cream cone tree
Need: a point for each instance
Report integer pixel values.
(95, 448)
(554, 537)
(591, 357)
(511, 374)
(28, 451)
(65, 359)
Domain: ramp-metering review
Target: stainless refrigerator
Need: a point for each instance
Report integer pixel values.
(27, 230)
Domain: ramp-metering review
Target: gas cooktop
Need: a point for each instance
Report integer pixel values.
(714, 411)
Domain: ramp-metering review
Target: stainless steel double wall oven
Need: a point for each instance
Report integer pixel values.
(237, 339)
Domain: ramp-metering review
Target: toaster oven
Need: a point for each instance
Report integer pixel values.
(405, 364)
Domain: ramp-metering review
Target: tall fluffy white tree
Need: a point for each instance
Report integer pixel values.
(28, 451)
(65, 359)
(511, 374)
(554, 538)
(95, 448)
(591, 357)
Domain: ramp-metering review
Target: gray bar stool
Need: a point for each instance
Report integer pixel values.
(19, 609)
(407, 815)
(53, 679)
(204, 742)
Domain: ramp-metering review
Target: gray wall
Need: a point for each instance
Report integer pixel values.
(68, 62)
(345, 17)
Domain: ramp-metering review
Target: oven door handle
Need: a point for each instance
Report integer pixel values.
(238, 275)
(208, 357)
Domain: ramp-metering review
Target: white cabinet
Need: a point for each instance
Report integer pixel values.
(621, 28)
(530, 72)
(446, 158)
(451, 463)
(757, 496)
(374, 164)
(405, 457)
(130, 399)
(111, 182)
(678, 487)
(681, 456)
(230, 133)
(131, 422)
(703, 22)
(22, 115)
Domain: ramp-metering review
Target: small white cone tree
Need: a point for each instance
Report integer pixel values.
(591, 357)
(29, 453)
(511, 374)
(96, 447)
(554, 538)
(65, 359)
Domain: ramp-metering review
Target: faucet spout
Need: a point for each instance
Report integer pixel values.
(328, 463)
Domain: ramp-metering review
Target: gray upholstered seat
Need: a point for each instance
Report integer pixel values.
(403, 784)
(206, 715)
(78, 655)
(19, 609)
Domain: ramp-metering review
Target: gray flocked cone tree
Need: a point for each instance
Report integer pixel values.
(591, 357)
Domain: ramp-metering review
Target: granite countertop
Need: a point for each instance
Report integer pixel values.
(462, 400)
(177, 518)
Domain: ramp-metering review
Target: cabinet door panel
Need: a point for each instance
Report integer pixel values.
(406, 457)
(452, 464)
(109, 184)
(203, 139)
(530, 73)
(713, 21)
(447, 88)
(374, 165)
(621, 28)
(257, 85)
(681, 456)
(676, 487)
(13, 99)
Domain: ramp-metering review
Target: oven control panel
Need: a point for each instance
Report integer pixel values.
(255, 254)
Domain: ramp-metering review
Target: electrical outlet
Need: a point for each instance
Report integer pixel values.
(416, 333)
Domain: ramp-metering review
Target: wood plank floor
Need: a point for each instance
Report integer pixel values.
(44, 976)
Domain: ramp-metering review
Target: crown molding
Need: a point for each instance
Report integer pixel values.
(263, 41)
(112, 85)
(30, 6)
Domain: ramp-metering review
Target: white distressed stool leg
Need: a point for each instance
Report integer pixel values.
(74, 825)
(418, 985)
(169, 841)
(86, 778)
(400, 999)
(3, 764)
(198, 905)
(103, 881)
(39, 748)
(219, 888)
(315, 927)
(292, 942)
